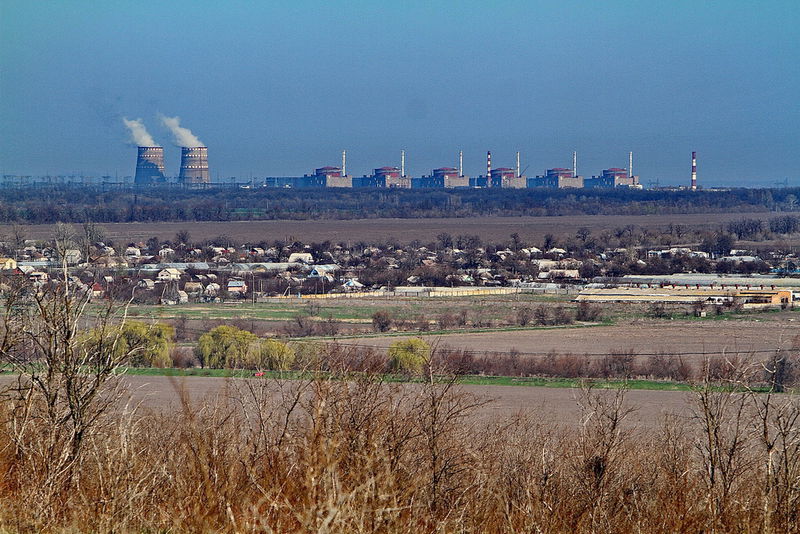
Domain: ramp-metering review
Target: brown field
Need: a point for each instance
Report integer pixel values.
(555, 406)
(404, 230)
(692, 338)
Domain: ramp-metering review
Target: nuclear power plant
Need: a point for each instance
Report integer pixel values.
(194, 166)
(194, 171)
(149, 166)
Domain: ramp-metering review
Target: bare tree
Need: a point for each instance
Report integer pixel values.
(720, 409)
(68, 364)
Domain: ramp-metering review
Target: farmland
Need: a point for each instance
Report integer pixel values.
(692, 338)
(402, 230)
(550, 405)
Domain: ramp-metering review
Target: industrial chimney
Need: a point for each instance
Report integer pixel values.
(149, 165)
(694, 171)
(630, 164)
(460, 163)
(489, 169)
(402, 164)
(194, 166)
(518, 174)
(574, 164)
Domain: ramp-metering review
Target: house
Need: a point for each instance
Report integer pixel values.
(133, 252)
(169, 274)
(110, 262)
(146, 284)
(352, 285)
(563, 274)
(8, 264)
(72, 256)
(212, 289)
(301, 257)
(166, 251)
(320, 271)
(38, 277)
(237, 287)
(193, 288)
(97, 291)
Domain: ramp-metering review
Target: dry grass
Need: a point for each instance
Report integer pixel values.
(360, 455)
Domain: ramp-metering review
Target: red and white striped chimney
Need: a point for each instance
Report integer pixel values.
(489, 169)
(694, 171)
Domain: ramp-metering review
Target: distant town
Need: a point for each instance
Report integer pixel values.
(629, 265)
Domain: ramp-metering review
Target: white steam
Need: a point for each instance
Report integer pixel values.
(139, 134)
(183, 136)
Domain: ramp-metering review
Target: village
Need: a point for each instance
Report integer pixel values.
(181, 272)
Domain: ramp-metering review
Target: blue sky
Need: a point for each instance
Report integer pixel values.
(278, 88)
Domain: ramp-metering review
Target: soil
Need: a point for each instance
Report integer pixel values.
(530, 229)
(554, 406)
(692, 338)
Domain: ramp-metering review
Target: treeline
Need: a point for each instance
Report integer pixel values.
(46, 205)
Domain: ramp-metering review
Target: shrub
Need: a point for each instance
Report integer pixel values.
(409, 355)
(541, 316)
(422, 324)
(658, 310)
(381, 321)
(224, 346)
(562, 316)
(183, 357)
(446, 321)
(271, 354)
(524, 316)
(144, 345)
(588, 312)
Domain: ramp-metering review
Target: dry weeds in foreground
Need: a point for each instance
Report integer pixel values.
(329, 455)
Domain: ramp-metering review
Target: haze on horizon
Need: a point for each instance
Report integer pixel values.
(278, 89)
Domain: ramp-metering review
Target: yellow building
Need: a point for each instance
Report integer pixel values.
(749, 298)
(7, 264)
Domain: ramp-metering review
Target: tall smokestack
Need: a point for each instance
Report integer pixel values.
(694, 171)
(574, 164)
(630, 164)
(194, 166)
(518, 173)
(402, 163)
(344, 162)
(460, 163)
(149, 165)
(489, 169)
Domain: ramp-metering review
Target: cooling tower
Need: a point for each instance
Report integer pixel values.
(194, 165)
(149, 165)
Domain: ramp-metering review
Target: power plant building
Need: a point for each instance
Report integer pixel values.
(322, 177)
(508, 178)
(614, 177)
(194, 166)
(557, 178)
(149, 165)
(450, 177)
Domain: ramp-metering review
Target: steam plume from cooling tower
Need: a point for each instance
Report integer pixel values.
(183, 136)
(139, 134)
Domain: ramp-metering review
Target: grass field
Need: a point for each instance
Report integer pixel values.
(358, 311)
(532, 229)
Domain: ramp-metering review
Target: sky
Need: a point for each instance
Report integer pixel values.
(278, 88)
